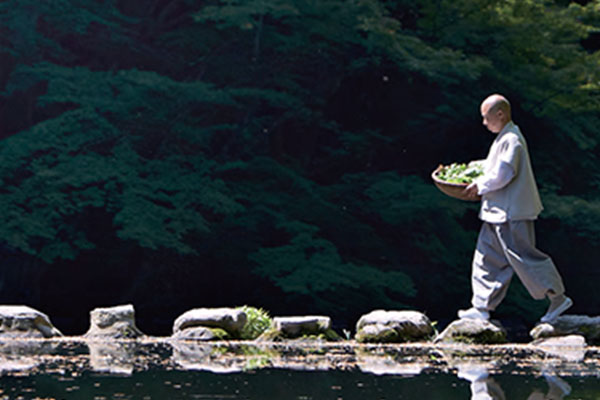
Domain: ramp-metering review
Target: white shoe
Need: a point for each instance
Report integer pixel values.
(555, 312)
(473, 313)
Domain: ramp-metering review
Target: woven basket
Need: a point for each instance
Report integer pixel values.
(456, 190)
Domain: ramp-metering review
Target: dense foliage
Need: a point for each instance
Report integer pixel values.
(277, 152)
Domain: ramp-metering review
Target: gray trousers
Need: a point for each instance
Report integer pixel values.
(505, 249)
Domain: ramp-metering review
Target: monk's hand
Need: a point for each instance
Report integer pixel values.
(471, 191)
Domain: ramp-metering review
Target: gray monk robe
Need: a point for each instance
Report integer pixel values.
(506, 244)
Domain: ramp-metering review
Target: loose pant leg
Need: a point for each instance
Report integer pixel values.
(491, 272)
(535, 268)
(503, 249)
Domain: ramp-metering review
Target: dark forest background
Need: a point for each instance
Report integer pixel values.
(176, 154)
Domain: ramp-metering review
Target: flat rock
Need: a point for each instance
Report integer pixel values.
(588, 327)
(393, 326)
(231, 320)
(25, 322)
(302, 325)
(113, 322)
(473, 331)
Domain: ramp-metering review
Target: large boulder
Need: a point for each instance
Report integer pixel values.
(588, 327)
(382, 326)
(113, 322)
(222, 322)
(300, 327)
(472, 331)
(25, 322)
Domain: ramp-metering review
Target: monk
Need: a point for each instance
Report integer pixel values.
(510, 203)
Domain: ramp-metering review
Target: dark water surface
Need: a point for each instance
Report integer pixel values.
(160, 369)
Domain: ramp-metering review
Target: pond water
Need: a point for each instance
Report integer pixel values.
(161, 369)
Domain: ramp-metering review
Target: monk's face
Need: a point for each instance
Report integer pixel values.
(492, 119)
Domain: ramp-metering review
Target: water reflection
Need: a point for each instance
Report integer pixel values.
(232, 358)
(387, 364)
(18, 356)
(200, 356)
(112, 357)
(558, 388)
(190, 369)
(484, 387)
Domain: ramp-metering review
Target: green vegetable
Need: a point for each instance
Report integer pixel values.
(461, 173)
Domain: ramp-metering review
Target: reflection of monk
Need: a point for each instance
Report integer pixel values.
(482, 386)
(487, 389)
(557, 389)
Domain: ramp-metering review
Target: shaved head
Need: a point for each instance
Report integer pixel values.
(495, 111)
(497, 102)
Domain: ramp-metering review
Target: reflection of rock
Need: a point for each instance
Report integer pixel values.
(25, 322)
(229, 320)
(18, 364)
(588, 327)
(472, 331)
(205, 357)
(304, 363)
(386, 365)
(113, 322)
(570, 348)
(112, 357)
(393, 326)
(18, 355)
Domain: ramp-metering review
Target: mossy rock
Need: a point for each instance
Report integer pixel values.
(473, 331)
(381, 326)
(202, 333)
(383, 335)
(588, 327)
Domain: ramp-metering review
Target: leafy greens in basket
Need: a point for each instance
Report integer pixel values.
(461, 172)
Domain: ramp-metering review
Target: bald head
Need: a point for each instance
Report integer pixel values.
(495, 111)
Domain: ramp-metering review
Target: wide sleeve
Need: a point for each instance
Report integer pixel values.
(496, 179)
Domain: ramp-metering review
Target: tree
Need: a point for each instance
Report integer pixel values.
(285, 146)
